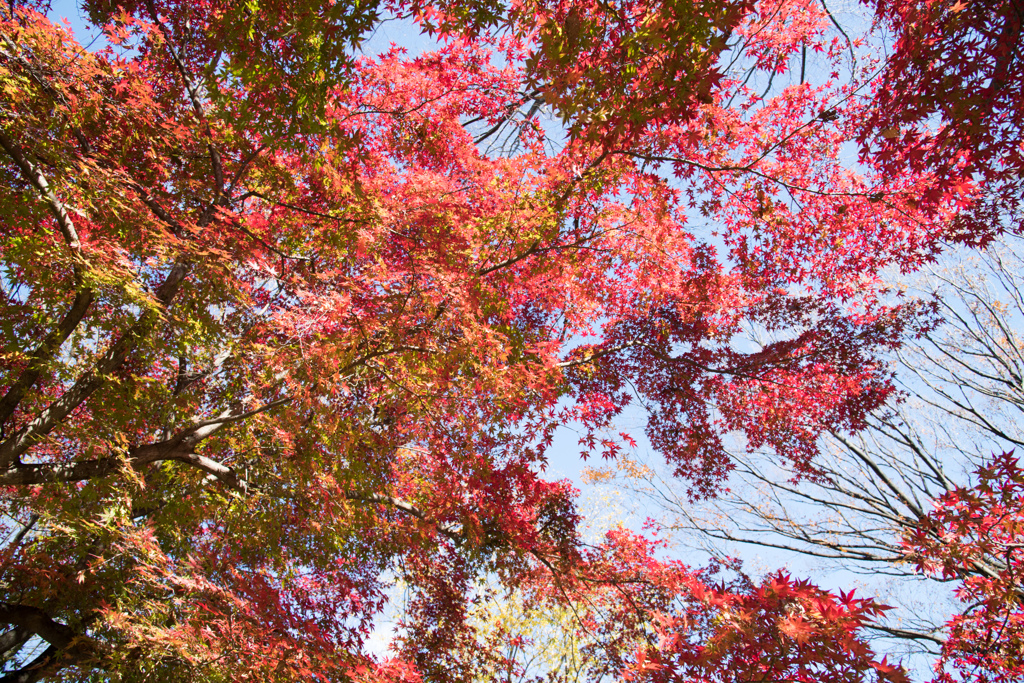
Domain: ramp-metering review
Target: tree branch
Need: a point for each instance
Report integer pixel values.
(37, 621)
(38, 181)
(21, 441)
(179, 448)
(45, 352)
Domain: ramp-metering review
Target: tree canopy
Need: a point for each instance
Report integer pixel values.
(288, 321)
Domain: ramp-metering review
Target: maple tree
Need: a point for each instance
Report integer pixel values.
(278, 327)
(929, 493)
(951, 99)
(973, 534)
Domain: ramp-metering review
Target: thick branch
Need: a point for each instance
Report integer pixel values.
(180, 448)
(35, 620)
(38, 181)
(34, 670)
(12, 449)
(44, 353)
(14, 638)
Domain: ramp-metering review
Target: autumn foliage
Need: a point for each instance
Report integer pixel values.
(286, 322)
(975, 535)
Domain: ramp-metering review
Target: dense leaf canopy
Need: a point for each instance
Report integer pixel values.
(287, 322)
